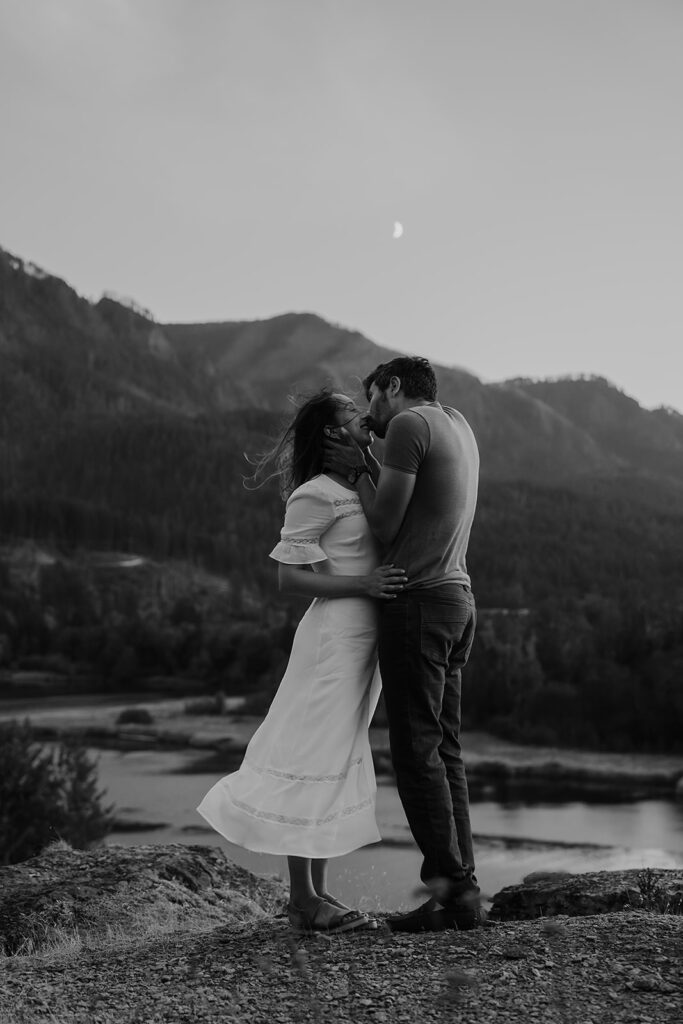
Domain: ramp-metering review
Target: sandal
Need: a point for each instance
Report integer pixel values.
(370, 922)
(316, 917)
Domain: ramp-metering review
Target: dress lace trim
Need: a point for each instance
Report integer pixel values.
(284, 819)
(305, 778)
(351, 512)
(347, 501)
(300, 540)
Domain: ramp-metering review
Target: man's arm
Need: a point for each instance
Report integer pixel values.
(385, 505)
(384, 492)
(384, 582)
(372, 464)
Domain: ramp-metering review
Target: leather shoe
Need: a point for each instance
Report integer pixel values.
(432, 917)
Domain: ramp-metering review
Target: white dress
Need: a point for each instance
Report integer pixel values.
(306, 786)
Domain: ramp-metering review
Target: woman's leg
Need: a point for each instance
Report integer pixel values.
(308, 909)
(319, 879)
(307, 879)
(301, 888)
(319, 876)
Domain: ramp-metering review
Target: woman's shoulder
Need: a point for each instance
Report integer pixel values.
(318, 488)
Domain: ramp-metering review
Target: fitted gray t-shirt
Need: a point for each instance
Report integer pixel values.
(436, 444)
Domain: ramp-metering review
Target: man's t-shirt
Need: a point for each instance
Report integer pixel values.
(437, 444)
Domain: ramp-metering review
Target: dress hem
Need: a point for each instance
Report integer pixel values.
(316, 854)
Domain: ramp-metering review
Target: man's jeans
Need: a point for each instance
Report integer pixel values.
(425, 637)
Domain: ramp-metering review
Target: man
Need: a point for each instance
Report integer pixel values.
(420, 505)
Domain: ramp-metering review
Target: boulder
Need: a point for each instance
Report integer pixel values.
(597, 892)
(115, 890)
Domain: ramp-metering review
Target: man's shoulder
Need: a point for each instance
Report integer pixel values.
(447, 426)
(435, 414)
(407, 419)
(452, 414)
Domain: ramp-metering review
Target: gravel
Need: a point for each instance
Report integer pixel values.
(619, 968)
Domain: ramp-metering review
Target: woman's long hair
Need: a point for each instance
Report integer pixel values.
(298, 454)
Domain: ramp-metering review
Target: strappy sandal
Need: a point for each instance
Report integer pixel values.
(314, 918)
(371, 923)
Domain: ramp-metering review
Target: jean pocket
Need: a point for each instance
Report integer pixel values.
(442, 626)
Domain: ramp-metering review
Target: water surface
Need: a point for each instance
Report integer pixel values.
(513, 837)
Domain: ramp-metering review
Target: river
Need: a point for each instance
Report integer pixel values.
(513, 837)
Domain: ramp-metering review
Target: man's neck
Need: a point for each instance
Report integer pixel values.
(411, 403)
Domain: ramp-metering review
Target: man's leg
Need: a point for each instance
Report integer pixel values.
(418, 632)
(450, 749)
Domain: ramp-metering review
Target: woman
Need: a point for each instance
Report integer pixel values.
(306, 787)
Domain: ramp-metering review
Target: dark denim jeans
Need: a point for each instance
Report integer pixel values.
(425, 637)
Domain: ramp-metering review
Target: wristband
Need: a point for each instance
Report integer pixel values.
(356, 472)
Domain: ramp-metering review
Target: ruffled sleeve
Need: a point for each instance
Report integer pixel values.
(309, 513)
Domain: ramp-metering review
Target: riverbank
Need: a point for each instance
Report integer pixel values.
(490, 761)
(171, 934)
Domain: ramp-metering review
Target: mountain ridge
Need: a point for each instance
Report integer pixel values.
(61, 353)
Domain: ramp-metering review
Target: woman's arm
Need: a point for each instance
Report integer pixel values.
(385, 582)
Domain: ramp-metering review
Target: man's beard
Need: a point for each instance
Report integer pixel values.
(378, 429)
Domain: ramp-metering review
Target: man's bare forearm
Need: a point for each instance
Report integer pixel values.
(373, 465)
(367, 492)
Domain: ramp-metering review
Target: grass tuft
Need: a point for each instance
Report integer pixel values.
(655, 897)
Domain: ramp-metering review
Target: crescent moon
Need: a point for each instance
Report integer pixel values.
(398, 229)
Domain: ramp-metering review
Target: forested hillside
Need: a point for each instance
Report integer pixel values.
(118, 435)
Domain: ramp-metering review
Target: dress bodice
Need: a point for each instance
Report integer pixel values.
(325, 527)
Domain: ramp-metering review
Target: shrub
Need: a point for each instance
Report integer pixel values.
(134, 716)
(46, 794)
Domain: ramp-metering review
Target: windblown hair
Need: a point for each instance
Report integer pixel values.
(415, 373)
(298, 454)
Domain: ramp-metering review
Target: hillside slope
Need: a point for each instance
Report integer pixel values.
(64, 357)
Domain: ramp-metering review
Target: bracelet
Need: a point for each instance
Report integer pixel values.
(356, 472)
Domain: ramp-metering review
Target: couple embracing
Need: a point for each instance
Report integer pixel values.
(381, 552)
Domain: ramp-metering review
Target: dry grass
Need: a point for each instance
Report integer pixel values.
(58, 945)
(119, 895)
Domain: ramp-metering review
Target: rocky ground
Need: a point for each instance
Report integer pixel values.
(179, 934)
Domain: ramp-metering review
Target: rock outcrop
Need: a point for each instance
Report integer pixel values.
(597, 892)
(126, 891)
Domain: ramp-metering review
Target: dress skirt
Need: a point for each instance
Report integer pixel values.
(306, 786)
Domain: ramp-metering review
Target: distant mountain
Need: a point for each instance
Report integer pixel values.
(650, 441)
(262, 363)
(61, 355)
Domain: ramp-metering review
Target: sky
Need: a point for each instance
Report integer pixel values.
(237, 159)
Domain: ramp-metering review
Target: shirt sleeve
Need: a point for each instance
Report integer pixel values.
(407, 442)
(309, 513)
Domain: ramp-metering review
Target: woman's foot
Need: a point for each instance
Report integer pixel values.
(370, 924)
(319, 915)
